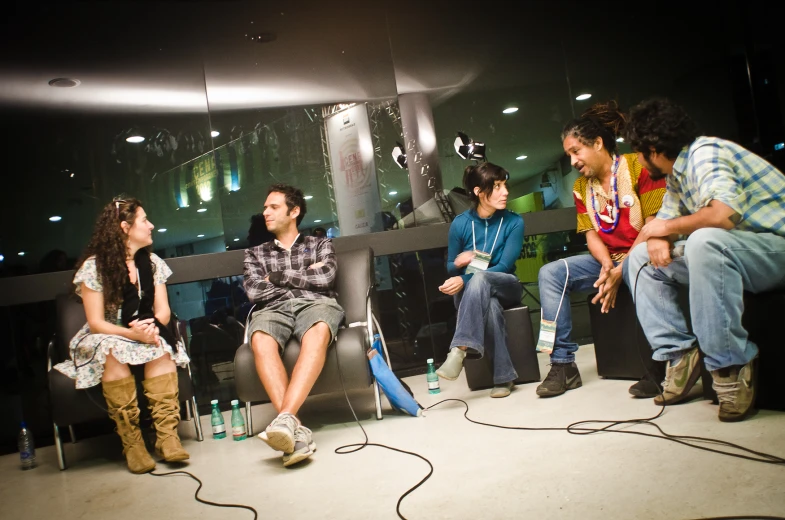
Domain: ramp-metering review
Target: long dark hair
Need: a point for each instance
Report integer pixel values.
(108, 245)
(603, 120)
(484, 176)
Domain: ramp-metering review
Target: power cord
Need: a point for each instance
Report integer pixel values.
(196, 493)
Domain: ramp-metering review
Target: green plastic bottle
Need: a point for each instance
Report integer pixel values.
(432, 378)
(238, 423)
(217, 420)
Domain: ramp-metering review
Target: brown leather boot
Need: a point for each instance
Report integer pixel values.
(123, 409)
(162, 392)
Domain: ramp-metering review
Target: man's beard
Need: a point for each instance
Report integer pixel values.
(655, 173)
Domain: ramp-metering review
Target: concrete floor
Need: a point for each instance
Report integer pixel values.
(480, 472)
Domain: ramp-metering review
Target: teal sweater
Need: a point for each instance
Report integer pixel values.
(508, 246)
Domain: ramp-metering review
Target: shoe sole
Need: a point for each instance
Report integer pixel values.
(179, 458)
(546, 393)
(294, 458)
(448, 378)
(278, 441)
(642, 395)
(694, 376)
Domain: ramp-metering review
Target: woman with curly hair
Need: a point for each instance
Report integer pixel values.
(123, 288)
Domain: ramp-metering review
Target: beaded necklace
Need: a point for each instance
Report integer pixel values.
(612, 206)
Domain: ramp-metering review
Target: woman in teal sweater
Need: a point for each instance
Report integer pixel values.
(484, 244)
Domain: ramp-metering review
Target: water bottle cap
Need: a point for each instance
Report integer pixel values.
(235, 402)
(214, 401)
(429, 361)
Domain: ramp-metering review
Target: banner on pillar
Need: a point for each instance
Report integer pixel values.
(351, 152)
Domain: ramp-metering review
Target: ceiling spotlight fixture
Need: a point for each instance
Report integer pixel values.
(55, 218)
(399, 156)
(521, 157)
(215, 133)
(317, 221)
(510, 110)
(583, 97)
(135, 139)
(467, 148)
(199, 236)
(308, 197)
(236, 240)
(21, 253)
(64, 82)
(393, 193)
(72, 175)
(201, 210)
(2, 258)
(162, 230)
(619, 139)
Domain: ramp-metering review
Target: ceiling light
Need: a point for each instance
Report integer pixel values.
(393, 193)
(619, 139)
(162, 230)
(317, 221)
(467, 148)
(201, 210)
(21, 253)
(583, 97)
(215, 133)
(399, 156)
(72, 175)
(135, 139)
(64, 82)
(236, 240)
(308, 197)
(521, 157)
(55, 218)
(2, 258)
(510, 110)
(199, 236)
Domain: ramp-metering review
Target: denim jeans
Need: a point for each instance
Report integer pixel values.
(480, 325)
(718, 266)
(584, 271)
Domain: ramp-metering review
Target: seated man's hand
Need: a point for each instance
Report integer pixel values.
(464, 259)
(317, 265)
(452, 285)
(609, 288)
(659, 252)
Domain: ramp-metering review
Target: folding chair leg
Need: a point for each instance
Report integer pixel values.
(249, 419)
(378, 398)
(197, 421)
(71, 433)
(59, 448)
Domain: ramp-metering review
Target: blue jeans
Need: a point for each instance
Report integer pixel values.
(584, 271)
(480, 324)
(718, 266)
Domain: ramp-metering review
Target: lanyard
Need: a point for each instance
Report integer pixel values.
(474, 243)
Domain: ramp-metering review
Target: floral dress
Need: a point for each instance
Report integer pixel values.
(88, 351)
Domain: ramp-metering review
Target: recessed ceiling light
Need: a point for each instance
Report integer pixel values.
(55, 218)
(510, 110)
(308, 197)
(583, 97)
(199, 236)
(162, 230)
(236, 240)
(64, 82)
(317, 220)
(72, 175)
(619, 139)
(2, 258)
(215, 133)
(201, 210)
(393, 193)
(135, 139)
(521, 157)
(21, 253)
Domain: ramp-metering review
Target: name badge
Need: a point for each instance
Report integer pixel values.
(480, 262)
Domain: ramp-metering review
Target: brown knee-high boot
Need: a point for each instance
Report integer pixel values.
(162, 392)
(123, 409)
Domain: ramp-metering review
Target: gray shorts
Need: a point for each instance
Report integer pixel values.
(281, 319)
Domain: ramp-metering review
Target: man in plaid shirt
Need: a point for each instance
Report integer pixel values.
(730, 204)
(290, 279)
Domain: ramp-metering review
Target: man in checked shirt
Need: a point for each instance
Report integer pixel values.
(730, 203)
(290, 279)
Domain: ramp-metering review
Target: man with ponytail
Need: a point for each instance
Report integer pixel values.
(614, 198)
(484, 244)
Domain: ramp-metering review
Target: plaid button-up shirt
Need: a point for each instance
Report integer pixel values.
(716, 169)
(289, 271)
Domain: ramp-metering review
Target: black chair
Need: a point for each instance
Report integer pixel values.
(354, 284)
(71, 406)
(520, 343)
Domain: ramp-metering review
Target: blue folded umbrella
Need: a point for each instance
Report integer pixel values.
(393, 388)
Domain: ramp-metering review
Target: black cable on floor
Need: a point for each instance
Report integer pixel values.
(196, 493)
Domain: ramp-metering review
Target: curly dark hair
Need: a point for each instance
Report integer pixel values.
(108, 245)
(485, 176)
(294, 198)
(662, 125)
(603, 120)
